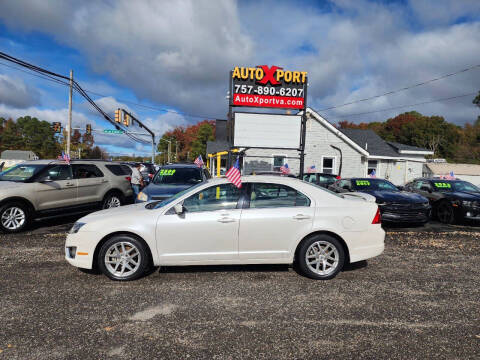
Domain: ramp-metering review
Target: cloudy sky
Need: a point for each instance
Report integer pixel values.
(168, 61)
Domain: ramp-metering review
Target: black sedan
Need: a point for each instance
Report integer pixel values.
(322, 179)
(452, 200)
(395, 205)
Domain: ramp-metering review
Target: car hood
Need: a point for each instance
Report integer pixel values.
(165, 189)
(463, 195)
(10, 184)
(401, 197)
(114, 212)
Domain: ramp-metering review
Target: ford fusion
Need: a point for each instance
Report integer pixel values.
(395, 205)
(269, 220)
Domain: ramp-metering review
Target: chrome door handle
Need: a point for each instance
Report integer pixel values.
(301, 217)
(69, 184)
(226, 220)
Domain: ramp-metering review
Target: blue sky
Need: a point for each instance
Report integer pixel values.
(176, 56)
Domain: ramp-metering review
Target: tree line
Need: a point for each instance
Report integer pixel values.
(455, 143)
(30, 133)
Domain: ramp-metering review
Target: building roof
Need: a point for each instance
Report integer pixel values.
(409, 149)
(18, 155)
(217, 146)
(371, 142)
(458, 169)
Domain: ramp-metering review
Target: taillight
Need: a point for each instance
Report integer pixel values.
(377, 219)
(150, 176)
(338, 177)
(128, 178)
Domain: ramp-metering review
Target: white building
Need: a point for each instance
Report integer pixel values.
(346, 152)
(467, 172)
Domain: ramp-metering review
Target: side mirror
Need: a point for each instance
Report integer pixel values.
(46, 179)
(179, 209)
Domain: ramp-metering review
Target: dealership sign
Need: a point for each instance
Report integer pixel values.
(270, 87)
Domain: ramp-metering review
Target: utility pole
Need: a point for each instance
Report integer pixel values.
(176, 151)
(69, 125)
(169, 151)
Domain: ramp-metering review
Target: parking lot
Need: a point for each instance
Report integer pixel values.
(420, 299)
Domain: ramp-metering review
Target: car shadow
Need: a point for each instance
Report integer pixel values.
(57, 224)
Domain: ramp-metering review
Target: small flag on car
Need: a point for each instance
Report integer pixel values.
(311, 169)
(285, 169)
(64, 157)
(233, 175)
(199, 161)
(373, 174)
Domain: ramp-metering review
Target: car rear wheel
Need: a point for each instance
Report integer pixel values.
(321, 257)
(112, 201)
(445, 213)
(14, 217)
(123, 258)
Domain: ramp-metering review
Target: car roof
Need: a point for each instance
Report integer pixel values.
(320, 173)
(182, 166)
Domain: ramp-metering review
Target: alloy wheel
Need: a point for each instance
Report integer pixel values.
(112, 202)
(322, 257)
(13, 218)
(122, 259)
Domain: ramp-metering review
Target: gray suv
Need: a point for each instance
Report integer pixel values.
(46, 188)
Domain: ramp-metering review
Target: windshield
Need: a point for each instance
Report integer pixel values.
(178, 176)
(20, 172)
(373, 184)
(455, 186)
(160, 204)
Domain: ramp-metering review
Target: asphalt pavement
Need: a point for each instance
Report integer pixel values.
(420, 299)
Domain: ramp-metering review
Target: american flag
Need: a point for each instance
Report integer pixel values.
(64, 157)
(285, 169)
(373, 174)
(311, 169)
(450, 176)
(233, 175)
(199, 161)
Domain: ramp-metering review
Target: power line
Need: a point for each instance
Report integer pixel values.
(404, 106)
(402, 89)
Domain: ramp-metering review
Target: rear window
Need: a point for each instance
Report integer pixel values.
(118, 170)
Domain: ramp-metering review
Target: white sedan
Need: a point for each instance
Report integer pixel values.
(269, 220)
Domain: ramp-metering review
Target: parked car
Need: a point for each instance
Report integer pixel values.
(171, 179)
(322, 179)
(269, 220)
(45, 188)
(452, 200)
(395, 205)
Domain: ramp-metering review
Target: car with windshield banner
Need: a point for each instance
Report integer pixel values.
(50, 188)
(269, 220)
(171, 179)
(396, 206)
(452, 200)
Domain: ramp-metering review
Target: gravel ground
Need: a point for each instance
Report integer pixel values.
(420, 299)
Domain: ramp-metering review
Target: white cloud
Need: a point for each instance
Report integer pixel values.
(14, 92)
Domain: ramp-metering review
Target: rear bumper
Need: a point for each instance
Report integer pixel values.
(365, 245)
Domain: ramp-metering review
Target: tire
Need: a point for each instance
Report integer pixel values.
(112, 200)
(14, 217)
(444, 213)
(113, 266)
(316, 248)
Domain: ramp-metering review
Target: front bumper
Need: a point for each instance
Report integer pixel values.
(405, 213)
(471, 213)
(80, 248)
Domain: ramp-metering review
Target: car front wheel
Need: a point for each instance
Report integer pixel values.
(321, 257)
(14, 217)
(445, 213)
(123, 258)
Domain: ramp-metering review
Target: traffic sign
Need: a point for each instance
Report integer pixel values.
(113, 131)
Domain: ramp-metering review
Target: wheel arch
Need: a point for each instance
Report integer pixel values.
(109, 236)
(26, 202)
(113, 191)
(324, 232)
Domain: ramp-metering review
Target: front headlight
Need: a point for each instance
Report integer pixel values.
(142, 196)
(468, 203)
(76, 227)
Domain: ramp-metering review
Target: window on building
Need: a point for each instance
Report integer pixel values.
(328, 164)
(278, 162)
(372, 167)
